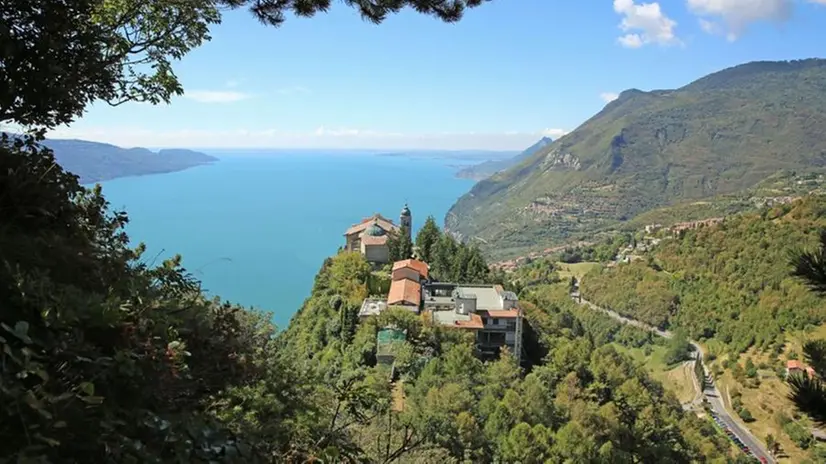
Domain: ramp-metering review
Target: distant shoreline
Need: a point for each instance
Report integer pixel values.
(142, 174)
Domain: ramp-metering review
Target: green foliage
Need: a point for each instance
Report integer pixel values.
(453, 261)
(647, 150)
(400, 245)
(106, 358)
(81, 51)
(679, 349)
(376, 11)
(728, 282)
(799, 434)
(426, 239)
(634, 290)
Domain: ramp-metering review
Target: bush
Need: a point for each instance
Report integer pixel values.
(799, 434)
(745, 414)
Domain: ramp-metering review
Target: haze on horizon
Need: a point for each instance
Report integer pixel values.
(500, 79)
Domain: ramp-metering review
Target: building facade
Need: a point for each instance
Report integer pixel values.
(493, 313)
(369, 237)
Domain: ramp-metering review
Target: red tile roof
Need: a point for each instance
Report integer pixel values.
(795, 365)
(418, 266)
(475, 323)
(405, 291)
(505, 313)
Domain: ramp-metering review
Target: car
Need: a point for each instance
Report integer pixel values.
(763, 460)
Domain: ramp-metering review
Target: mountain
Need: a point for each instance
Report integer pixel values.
(96, 162)
(489, 168)
(721, 134)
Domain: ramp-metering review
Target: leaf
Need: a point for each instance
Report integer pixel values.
(92, 399)
(49, 441)
(59, 424)
(21, 328)
(87, 387)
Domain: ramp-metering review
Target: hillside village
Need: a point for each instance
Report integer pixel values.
(489, 311)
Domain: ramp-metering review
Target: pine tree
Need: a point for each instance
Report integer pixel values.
(444, 252)
(426, 239)
(400, 245)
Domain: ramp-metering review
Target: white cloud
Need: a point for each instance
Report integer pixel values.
(630, 41)
(709, 27)
(644, 23)
(215, 96)
(738, 14)
(608, 97)
(322, 137)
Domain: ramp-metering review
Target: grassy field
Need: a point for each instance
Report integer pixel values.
(677, 379)
(576, 269)
(766, 400)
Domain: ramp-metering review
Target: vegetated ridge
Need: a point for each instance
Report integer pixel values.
(96, 162)
(721, 134)
(728, 285)
(488, 168)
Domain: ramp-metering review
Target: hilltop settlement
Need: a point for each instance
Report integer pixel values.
(488, 311)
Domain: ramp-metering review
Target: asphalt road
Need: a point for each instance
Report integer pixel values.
(710, 391)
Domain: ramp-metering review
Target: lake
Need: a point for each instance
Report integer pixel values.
(255, 229)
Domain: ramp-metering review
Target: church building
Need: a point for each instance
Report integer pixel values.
(369, 237)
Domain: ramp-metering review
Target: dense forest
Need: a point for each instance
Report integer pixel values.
(581, 400)
(729, 282)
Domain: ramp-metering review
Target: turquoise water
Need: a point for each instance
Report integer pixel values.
(255, 229)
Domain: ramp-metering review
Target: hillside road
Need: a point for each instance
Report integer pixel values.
(710, 392)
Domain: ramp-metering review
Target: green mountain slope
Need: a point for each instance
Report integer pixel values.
(488, 168)
(721, 134)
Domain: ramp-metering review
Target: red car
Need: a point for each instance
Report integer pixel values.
(764, 460)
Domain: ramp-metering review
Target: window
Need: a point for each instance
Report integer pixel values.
(495, 321)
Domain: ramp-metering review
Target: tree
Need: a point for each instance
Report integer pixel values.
(772, 445)
(400, 245)
(85, 50)
(426, 239)
(679, 348)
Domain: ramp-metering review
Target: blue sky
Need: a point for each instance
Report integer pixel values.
(508, 73)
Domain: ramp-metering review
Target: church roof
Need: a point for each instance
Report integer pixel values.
(374, 230)
(373, 240)
(382, 222)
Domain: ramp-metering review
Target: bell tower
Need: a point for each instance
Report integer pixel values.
(406, 220)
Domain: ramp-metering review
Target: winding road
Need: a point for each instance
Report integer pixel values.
(710, 391)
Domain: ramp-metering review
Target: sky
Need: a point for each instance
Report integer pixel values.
(510, 72)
